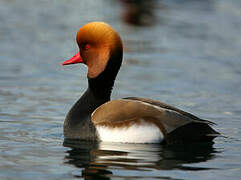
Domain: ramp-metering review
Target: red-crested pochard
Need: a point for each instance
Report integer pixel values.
(130, 120)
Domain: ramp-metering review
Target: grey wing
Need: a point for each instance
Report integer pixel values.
(166, 106)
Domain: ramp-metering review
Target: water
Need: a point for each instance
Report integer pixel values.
(185, 53)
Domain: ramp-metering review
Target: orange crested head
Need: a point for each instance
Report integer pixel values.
(97, 42)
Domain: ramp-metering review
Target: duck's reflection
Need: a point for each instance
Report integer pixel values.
(97, 160)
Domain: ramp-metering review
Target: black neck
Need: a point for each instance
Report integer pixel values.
(98, 92)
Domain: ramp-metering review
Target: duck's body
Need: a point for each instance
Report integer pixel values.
(129, 120)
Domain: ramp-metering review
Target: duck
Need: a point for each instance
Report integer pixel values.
(95, 117)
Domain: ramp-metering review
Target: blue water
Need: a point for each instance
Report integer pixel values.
(182, 52)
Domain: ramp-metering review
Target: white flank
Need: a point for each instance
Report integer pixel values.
(143, 133)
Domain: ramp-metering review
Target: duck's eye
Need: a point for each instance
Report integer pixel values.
(86, 47)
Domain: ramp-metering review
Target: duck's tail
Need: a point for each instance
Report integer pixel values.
(192, 132)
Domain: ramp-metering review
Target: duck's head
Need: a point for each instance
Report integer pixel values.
(98, 44)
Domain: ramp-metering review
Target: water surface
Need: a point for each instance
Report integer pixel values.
(185, 53)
